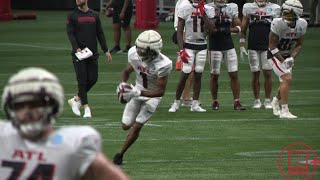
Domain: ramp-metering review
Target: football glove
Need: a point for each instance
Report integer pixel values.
(289, 62)
(134, 92)
(121, 87)
(201, 7)
(183, 55)
(243, 52)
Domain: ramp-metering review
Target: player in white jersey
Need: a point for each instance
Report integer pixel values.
(258, 16)
(221, 49)
(285, 43)
(31, 149)
(152, 69)
(196, 19)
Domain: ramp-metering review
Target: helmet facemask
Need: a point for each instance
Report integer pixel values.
(289, 17)
(261, 3)
(146, 55)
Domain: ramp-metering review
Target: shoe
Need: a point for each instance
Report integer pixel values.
(275, 106)
(87, 113)
(238, 106)
(287, 115)
(115, 49)
(125, 51)
(256, 104)
(196, 108)
(186, 102)
(174, 107)
(215, 105)
(267, 104)
(75, 106)
(117, 159)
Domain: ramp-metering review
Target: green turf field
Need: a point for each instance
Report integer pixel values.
(224, 144)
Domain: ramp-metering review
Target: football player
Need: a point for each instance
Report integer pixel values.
(31, 149)
(151, 69)
(196, 19)
(285, 43)
(258, 16)
(221, 49)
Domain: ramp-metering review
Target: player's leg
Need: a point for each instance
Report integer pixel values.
(125, 23)
(116, 30)
(186, 95)
(200, 60)
(215, 58)
(254, 61)
(232, 65)
(267, 73)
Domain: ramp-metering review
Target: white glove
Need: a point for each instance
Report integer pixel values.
(128, 95)
(243, 51)
(289, 62)
(120, 87)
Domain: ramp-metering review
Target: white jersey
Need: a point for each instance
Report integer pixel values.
(260, 19)
(288, 36)
(179, 4)
(65, 155)
(147, 73)
(194, 24)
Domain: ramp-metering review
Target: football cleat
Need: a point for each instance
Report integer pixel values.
(75, 106)
(118, 159)
(215, 105)
(287, 115)
(87, 113)
(174, 107)
(186, 102)
(256, 104)
(237, 106)
(267, 104)
(275, 106)
(195, 107)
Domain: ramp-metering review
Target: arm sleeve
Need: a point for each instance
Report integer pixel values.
(245, 10)
(100, 36)
(71, 33)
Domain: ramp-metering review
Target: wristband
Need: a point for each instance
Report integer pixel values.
(239, 28)
(242, 40)
(274, 51)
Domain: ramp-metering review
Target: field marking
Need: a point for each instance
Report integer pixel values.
(272, 153)
(44, 46)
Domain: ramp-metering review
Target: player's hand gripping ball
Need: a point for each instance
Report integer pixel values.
(122, 88)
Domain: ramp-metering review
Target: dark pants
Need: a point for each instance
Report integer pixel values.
(87, 76)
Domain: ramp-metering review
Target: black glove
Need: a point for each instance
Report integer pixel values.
(174, 37)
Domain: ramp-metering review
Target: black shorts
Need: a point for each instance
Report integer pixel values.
(125, 22)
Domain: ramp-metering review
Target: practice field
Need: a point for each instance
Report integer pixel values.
(223, 144)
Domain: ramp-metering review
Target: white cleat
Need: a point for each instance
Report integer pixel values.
(256, 104)
(267, 105)
(174, 107)
(75, 106)
(275, 107)
(197, 108)
(287, 115)
(87, 113)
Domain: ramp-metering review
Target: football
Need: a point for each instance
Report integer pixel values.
(123, 88)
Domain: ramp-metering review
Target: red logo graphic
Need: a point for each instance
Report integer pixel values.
(298, 160)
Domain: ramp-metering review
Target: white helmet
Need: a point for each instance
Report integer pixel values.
(34, 85)
(291, 10)
(261, 2)
(220, 3)
(148, 45)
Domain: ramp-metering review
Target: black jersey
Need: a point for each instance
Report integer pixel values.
(221, 41)
(84, 29)
(259, 24)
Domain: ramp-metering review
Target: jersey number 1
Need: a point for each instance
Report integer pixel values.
(195, 23)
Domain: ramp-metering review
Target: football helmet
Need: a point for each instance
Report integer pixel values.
(37, 88)
(220, 3)
(148, 45)
(261, 2)
(291, 11)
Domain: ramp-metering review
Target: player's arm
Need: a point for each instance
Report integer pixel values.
(297, 49)
(273, 46)
(236, 25)
(180, 29)
(125, 74)
(244, 27)
(101, 168)
(159, 92)
(70, 32)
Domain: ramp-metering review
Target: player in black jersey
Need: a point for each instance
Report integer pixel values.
(83, 29)
(221, 49)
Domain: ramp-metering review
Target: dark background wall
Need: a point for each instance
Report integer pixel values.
(51, 4)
